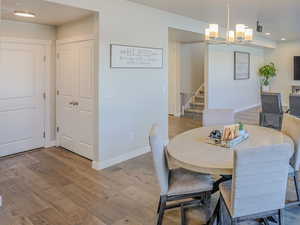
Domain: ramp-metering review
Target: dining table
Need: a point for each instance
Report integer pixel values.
(191, 150)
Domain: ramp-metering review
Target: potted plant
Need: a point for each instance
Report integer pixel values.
(267, 72)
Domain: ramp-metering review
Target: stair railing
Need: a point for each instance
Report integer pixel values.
(187, 104)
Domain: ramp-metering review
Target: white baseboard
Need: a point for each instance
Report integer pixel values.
(99, 165)
(178, 114)
(246, 108)
(51, 144)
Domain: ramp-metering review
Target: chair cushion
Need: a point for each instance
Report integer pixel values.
(225, 189)
(186, 182)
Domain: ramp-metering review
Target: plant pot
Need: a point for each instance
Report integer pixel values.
(266, 88)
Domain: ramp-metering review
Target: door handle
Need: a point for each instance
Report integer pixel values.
(75, 103)
(71, 103)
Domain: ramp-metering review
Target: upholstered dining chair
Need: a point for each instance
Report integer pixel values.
(272, 111)
(215, 117)
(258, 186)
(295, 105)
(291, 127)
(176, 184)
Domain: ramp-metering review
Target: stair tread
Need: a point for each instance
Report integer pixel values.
(194, 110)
(198, 103)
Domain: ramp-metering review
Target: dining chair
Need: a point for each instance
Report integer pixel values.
(258, 186)
(272, 111)
(177, 185)
(215, 117)
(291, 127)
(295, 105)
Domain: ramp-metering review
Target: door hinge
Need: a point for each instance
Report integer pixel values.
(57, 92)
(57, 129)
(45, 58)
(44, 134)
(44, 95)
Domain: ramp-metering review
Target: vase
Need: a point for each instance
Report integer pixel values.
(266, 88)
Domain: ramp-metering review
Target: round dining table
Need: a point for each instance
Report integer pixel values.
(191, 151)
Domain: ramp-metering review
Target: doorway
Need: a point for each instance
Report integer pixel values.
(48, 91)
(187, 53)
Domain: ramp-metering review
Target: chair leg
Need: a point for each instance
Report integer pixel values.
(296, 176)
(280, 215)
(163, 202)
(183, 216)
(158, 207)
(215, 214)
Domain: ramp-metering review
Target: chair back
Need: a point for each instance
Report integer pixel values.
(271, 103)
(291, 127)
(215, 117)
(295, 105)
(159, 158)
(259, 180)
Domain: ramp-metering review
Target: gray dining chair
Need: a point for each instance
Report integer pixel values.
(272, 111)
(258, 186)
(295, 105)
(291, 127)
(215, 117)
(177, 185)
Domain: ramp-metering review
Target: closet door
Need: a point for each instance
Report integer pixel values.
(66, 78)
(22, 73)
(76, 97)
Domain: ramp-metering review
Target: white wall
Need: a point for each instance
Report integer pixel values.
(84, 26)
(192, 67)
(42, 32)
(131, 100)
(223, 90)
(283, 57)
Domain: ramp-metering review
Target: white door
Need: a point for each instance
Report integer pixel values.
(22, 71)
(75, 99)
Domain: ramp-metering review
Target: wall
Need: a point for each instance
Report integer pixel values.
(43, 32)
(131, 100)
(283, 57)
(192, 67)
(84, 26)
(223, 90)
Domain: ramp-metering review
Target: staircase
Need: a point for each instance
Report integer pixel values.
(195, 106)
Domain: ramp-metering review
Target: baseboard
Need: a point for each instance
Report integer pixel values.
(51, 144)
(246, 108)
(99, 165)
(178, 114)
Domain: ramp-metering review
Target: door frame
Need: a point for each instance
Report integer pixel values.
(47, 44)
(89, 37)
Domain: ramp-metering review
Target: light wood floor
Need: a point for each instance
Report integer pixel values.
(55, 187)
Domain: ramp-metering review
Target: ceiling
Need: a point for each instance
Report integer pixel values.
(280, 18)
(46, 12)
(184, 36)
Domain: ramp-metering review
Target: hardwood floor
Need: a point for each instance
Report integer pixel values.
(56, 187)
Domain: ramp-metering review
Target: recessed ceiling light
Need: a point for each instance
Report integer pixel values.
(283, 39)
(24, 14)
(268, 34)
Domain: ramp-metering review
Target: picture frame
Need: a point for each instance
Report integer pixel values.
(135, 57)
(241, 65)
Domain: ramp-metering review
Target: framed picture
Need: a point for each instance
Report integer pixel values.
(135, 57)
(241, 65)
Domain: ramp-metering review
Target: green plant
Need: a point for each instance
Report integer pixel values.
(267, 72)
(241, 126)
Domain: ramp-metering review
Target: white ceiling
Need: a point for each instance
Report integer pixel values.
(46, 12)
(280, 17)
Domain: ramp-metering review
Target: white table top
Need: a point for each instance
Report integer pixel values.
(190, 151)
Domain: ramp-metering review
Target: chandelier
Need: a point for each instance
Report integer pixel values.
(241, 34)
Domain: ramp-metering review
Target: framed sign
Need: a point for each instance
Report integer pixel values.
(241, 65)
(123, 56)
